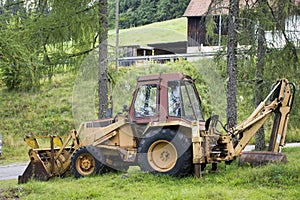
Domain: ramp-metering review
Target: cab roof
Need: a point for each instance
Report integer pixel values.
(166, 77)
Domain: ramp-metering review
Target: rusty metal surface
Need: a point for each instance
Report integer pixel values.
(35, 170)
(256, 158)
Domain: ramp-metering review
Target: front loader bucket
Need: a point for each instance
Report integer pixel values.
(35, 170)
(49, 162)
(256, 158)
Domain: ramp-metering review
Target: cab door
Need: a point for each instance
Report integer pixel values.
(145, 104)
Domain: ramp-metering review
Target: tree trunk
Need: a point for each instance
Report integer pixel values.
(259, 76)
(117, 34)
(102, 73)
(232, 64)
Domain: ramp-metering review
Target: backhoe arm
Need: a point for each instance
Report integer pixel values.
(278, 134)
(281, 104)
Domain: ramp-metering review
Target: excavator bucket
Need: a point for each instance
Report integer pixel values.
(257, 158)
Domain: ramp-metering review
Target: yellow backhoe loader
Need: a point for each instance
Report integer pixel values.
(164, 132)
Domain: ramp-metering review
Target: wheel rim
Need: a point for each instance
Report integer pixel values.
(162, 155)
(85, 164)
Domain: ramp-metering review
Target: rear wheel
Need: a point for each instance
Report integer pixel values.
(87, 160)
(165, 152)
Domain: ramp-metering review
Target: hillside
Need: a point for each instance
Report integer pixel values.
(48, 112)
(159, 32)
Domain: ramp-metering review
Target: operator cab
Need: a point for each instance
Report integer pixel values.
(165, 97)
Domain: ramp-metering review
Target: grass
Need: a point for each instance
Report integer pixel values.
(267, 182)
(160, 32)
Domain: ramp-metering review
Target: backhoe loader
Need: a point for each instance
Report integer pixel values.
(163, 132)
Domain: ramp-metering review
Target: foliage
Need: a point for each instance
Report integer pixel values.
(38, 38)
(279, 61)
(275, 67)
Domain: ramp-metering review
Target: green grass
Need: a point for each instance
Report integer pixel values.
(267, 182)
(160, 32)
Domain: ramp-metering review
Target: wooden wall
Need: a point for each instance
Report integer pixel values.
(197, 31)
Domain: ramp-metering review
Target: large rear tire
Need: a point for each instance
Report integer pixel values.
(165, 151)
(86, 161)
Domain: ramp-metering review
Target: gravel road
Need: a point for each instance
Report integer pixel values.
(12, 171)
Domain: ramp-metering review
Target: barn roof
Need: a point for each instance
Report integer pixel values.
(202, 7)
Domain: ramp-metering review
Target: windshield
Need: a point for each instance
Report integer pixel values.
(183, 101)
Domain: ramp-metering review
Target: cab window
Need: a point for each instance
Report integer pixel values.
(145, 103)
(183, 100)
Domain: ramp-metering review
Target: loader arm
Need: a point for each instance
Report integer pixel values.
(95, 135)
(281, 104)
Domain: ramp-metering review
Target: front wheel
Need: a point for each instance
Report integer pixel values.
(165, 152)
(87, 160)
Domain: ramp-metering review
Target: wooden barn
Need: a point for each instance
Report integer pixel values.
(197, 13)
